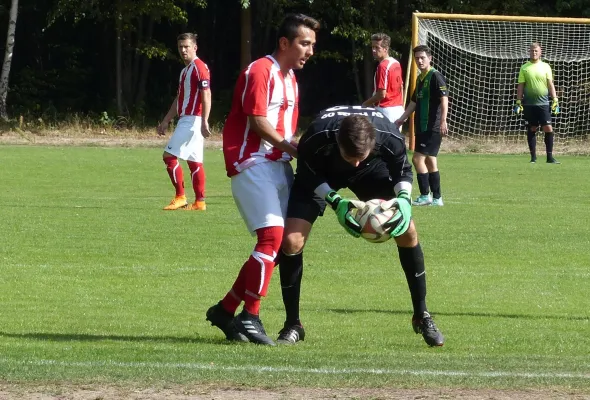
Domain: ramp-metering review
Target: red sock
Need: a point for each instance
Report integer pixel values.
(198, 179)
(260, 265)
(175, 172)
(234, 297)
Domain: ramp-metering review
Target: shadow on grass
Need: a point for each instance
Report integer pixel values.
(70, 337)
(465, 314)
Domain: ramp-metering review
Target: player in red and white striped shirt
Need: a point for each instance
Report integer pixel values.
(388, 85)
(192, 105)
(257, 149)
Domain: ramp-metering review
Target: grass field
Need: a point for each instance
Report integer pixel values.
(98, 284)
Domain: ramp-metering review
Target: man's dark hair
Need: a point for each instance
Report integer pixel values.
(356, 136)
(189, 36)
(423, 48)
(290, 26)
(383, 38)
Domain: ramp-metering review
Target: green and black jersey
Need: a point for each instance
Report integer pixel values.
(430, 87)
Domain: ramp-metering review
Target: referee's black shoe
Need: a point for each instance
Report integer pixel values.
(551, 160)
(251, 327)
(426, 326)
(291, 334)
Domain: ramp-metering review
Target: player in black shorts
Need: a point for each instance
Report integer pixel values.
(535, 88)
(431, 104)
(356, 148)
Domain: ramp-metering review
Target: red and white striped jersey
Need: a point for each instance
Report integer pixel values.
(261, 90)
(389, 77)
(194, 78)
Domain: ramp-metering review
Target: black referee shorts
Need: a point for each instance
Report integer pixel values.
(428, 143)
(537, 115)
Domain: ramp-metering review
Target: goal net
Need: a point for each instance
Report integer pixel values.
(481, 58)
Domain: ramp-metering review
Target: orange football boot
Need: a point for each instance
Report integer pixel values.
(176, 203)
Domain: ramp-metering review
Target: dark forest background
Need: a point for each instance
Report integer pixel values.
(118, 58)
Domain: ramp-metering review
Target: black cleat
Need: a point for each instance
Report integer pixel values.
(533, 160)
(224, 321)
(552, 161)
(291, 334)
(251, 327)
(428, 329)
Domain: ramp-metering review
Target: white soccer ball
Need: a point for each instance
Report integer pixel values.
(371, 219)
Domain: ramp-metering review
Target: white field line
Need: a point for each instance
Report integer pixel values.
(319, 371)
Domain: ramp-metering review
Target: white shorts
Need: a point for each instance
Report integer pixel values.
(392, 113)
(261, 193)
(186, 142)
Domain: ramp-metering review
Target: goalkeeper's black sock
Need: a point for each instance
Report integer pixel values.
(549, 145)
(412, 260)
(423, 184)
(434, 180)
(531, 137)
(291, 272)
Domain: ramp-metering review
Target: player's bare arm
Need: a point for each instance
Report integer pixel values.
(520, 91)
(264, 129)
(409, 110)
(206, 101)
(376, 98)
(444, 108)
(551, 88)
(163, 127)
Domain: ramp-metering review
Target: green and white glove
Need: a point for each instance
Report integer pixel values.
(555, 106)
(401, 220)
(517, 109)
(343, 208)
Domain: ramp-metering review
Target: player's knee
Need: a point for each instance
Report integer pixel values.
(293, 243)
(409, 238)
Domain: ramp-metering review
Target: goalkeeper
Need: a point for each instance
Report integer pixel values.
(535, 86)
(360, 149)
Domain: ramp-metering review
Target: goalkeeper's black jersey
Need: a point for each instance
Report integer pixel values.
(319, 158)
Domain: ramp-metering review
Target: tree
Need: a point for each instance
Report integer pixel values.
(10, 37)
(133, 24)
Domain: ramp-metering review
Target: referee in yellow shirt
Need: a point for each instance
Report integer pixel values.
(535, 86)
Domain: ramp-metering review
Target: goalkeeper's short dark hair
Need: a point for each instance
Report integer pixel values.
(356, 136)
(423, 48)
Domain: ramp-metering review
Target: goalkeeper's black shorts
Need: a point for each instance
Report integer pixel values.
(305, 204)
(537, 115)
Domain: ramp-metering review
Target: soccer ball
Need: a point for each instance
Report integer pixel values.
(371, 219)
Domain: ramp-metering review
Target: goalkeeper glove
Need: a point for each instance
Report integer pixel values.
(342, 207)
(555, 106)
(517, 107)
(400, 222)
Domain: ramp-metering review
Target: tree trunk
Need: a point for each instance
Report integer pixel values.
(368, 68)
(8, 59)
(119, 61)
(355, 72)
(246, 37)
(145, 67)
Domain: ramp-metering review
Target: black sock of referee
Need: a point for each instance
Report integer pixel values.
(434, 180)
(412, 260)
(549, 145)
(423, 184)
(291, 272)
(531, 137)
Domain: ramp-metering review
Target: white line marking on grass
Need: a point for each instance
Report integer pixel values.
(319, 371)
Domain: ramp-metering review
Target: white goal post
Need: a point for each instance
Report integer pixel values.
(481, 55)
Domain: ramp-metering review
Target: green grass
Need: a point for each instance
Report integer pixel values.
(98, 284)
